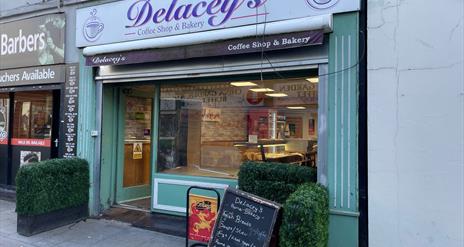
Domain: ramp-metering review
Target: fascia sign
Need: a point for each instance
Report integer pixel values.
(129, 20)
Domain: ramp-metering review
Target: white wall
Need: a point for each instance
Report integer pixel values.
(416, 122)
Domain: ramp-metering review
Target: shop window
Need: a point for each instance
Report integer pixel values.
(210, 129)
(33, 115)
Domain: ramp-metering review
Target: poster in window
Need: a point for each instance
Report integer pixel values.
(312, 126)
(27, 157)
(202, 216)
(211, 115)
(295, 127)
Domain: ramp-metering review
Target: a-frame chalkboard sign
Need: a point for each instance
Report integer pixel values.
(244, 220)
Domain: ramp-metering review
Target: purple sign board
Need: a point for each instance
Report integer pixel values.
(229, 47)
(128, 20)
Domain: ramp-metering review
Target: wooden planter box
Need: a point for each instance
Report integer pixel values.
(31, 225)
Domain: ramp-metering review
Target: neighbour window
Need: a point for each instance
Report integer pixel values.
(33, 115)
(210, 129)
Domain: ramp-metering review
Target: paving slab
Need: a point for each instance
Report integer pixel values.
(92, 232)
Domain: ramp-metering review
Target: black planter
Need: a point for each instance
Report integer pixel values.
(31, 225)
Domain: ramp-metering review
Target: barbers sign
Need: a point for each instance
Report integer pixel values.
(134, 20)
(33, 41)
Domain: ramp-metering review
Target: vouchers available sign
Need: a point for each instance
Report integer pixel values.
(32, 76)
(202, 216)
(141, 19)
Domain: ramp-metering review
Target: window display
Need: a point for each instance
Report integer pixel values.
(210, 129)
(33, 115)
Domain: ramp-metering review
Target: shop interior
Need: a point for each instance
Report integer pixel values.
(210, 129)
(33, 115)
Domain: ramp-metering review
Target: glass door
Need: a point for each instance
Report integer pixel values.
(134, 148)
(35, 128)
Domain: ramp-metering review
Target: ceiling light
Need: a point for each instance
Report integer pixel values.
(296, 107)
(273, 145)
(313, 80)
(262, 90)
(277, 95)
(243, 84)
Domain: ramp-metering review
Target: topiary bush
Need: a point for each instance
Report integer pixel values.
(305, 220)
(51, 185)
(274, 181)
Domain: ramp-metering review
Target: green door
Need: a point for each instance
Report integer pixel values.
(134, 145)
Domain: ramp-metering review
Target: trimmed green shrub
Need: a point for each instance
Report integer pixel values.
(51, 185)
(274, 181)
(305, 219)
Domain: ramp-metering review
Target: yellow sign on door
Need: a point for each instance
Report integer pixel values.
(137, 151)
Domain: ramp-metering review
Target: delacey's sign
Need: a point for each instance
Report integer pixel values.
(228, 47)
(140, 19)
(33, 41)
(244, 220)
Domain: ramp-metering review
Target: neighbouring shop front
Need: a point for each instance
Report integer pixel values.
(38, 94)
(187, 92)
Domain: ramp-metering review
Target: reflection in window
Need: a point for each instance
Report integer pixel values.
(33, 115)
(210, 129)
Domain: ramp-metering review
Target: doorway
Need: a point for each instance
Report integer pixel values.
(29, 128)
(133, 186)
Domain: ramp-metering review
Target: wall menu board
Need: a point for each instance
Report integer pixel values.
(244, 220)
(69, 112)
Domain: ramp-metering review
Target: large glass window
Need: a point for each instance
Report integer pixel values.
(33, 115)
(210, 129)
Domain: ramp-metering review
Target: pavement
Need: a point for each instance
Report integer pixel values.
(92, 232)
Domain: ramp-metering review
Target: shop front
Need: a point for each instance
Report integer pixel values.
(186, 93)
(35, 88)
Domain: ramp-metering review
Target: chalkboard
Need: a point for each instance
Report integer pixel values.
(244, 220)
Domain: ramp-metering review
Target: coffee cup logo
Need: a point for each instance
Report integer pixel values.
(93, 27)
(321, 4)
